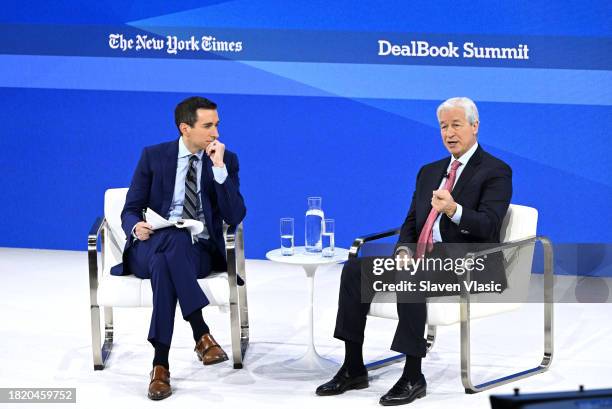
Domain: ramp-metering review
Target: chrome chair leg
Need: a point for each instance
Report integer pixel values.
(238, 315)
(548, 332)
(96, 338)
(431, 336)
(108, 324)
(242, 293)
(101, 351)
(244, 319)
(235, 329)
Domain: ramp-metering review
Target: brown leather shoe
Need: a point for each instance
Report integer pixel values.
(209, 352)
(159, 388)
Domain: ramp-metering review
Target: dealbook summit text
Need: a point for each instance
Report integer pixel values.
(419, 48)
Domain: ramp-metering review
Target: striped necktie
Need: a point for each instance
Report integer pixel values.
(191, 204)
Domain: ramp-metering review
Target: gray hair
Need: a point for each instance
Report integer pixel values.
(469, 107)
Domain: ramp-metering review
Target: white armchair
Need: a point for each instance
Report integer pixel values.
(108, 291)
(518, 237)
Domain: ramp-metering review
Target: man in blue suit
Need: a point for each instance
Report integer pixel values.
(193, 177)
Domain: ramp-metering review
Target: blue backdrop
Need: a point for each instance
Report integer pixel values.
(308, 104)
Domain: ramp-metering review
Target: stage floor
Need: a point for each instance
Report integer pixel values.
(46, 342)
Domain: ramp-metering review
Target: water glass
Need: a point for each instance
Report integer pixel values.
(287, 234)
(328, 238)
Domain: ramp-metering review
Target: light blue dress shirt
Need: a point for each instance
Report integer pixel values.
(437, 237)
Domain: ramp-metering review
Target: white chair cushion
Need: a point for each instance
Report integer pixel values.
(114, 199)
(512, 229)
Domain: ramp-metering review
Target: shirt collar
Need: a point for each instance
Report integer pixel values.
(465, 157)
(183, 151)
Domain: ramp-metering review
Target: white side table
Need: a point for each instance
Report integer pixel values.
(311, 360)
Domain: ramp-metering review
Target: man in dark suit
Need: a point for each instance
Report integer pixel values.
(192, 177)
(458, 199)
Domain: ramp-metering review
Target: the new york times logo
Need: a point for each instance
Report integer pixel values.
(403, 262)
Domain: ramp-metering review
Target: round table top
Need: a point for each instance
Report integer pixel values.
(300, 257)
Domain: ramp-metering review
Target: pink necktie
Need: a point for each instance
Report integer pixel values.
(426, 236)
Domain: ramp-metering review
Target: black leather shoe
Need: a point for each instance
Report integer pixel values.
(342, 382)
(404, 392)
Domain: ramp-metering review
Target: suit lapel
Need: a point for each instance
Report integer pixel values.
(205, 186)
(169, 174)
(468, 172)
(439, 175)
(207, 174)
(431, 184)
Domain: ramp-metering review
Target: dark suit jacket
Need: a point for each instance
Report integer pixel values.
(153, 186)
(484, 190)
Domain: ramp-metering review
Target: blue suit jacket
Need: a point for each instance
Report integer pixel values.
(153, 186)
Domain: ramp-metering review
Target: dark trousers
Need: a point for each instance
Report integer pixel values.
(174, 264)
(354, 304)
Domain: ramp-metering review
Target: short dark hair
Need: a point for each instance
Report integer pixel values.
(187, 110)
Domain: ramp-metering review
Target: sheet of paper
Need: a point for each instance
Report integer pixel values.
(195, 227)
(156, 220)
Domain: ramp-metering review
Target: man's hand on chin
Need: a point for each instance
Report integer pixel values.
(443, 202)
(215, 151)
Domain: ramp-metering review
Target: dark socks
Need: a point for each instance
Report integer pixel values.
(353, 358)
(198, 326)
(161, 355)
(412, 368)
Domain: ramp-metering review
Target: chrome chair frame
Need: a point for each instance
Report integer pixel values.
(465, 321)
(239, 316)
